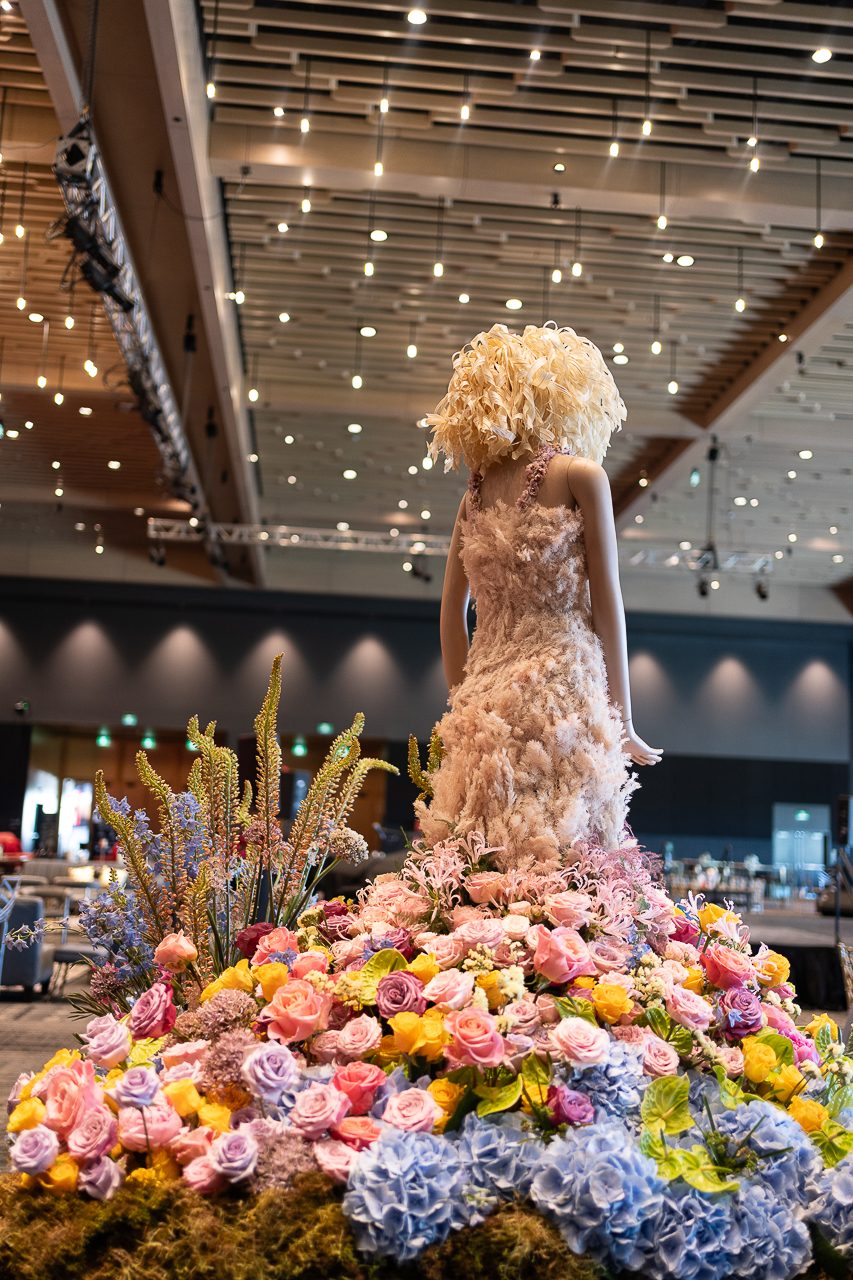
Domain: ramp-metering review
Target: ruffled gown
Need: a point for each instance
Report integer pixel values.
(532, 742)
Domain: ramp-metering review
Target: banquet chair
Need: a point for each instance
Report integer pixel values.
(8, 893)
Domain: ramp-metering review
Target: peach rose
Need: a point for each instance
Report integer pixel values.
(689, 1009)
(486, 886)
(475, 1039)
(359, 1037)
(296, 1011)
(310, 962)
(451, 989)
(146, 1128)
(187, 1051)
(560, 954)
(659, 1058)
(175, 952)
(569, 908)
(357, 1132)
(359, 1081)
(272, 943)
(725, 967)
(515, 927)
(189, 1144)
(484, 931)
(579, 1042)
(335, 1158)
(65, 1101)
(446, 949)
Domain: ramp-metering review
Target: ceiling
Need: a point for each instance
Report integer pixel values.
(497, 164)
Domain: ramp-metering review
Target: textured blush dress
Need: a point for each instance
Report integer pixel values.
(532, 743)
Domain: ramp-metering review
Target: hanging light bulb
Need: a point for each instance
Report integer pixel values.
(383, 106)
(412, 350)
(278, 112)
(254, 394)
(438, 270)
(577, 265)
(210, 89)
(647, 119)
(306, 201)
(556, 276)
(672, 385)
(305, 122)
(662, 222)
(368, 268)
(465, 111)
(21, 302)
(752, 140)
(754, 164)
(69, 322)
(614, 148)
(305, 125)
(20, 230)
(41, 382)
(817, 238)
(438, 265)
(58, 398)
(656, 347)
(647, 127)
(378, 168)
(740, 300)
(357, 382)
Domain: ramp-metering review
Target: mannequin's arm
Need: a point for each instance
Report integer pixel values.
(454, 608)
(591, 489)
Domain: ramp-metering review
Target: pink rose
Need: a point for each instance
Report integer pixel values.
(154, 1013)
(515, 927)
(201, 1176)
(175, 952)
(560, 954)
(523, 1016)
(683, 952)
(191, 1144)
(486, 886)
(689, 1009)
(629, 1035)
(347, 950)
(608, 957)
(389, 900)
(725, 967)
(296, 1011)
(547, 1007)
(94, 1135)
(413, 1109)
(732, 1060)
(446, 950)
(672, 972)
(357, 1132)
(277, 940)
(65, 1102)
(475, 1039)
(359, 1081)
(579, 1042)
(335, 1158)
(183, 1071)
(569, 908)
(685, 930)
(187, 1051)
(309, 962)
(778, 1019)
(325, 1046)
(147, 1128)
(451, 989)
(317, 1109)
(107, 1041)
(659, 1058)
(360, 1036)
(464, 915)
(485, 931)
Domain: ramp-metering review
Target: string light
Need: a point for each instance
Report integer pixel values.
(305, 122)
(577, 265)
(662, 218)
(740, 300)
(647, 121)
(817, 238)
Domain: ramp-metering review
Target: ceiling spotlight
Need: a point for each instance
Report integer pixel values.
(291, 479)
(535, 55)
(58, 491)
(656, 347)
(618, 347)
(29, 424)
(643, 482)
(556, 276)
(402, 504)
(669, 257)
(139, 511)
(833, 529)
(367, 331)
(378, 235)
(513, 304)
(80, 527)
(357, 382)
(284, 317)
(778, 555)
(12, 434)
(792, 537)
(283, 228)
(753, 502)
(416, 17)
(740, 501)
(407, 566)
(56, 465)
(354, 428)
(714, 584)
(254, 394)
(342, 526)
(193, 522)
(821, 55)
(278, 112)
(792, 475)
(413, 471)
(464, 298)
(806, 455)
(393, 533)
(838, 559)
(672, 387)
(36, 317)
(252, 457)
(239, 297)
(685, 260)
(559, 167)
(288, 439)
(412, 350)
(210, 89)
(663, 222)
(425, 514)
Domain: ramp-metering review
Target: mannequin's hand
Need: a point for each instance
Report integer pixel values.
(639, 751)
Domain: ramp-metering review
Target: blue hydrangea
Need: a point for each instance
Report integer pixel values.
(789, 1160)
(832, 1209)
(603, 1193)
(500, 1157)
(405, 1193)
(615, 1086)
(769, 1240)
(692, 1237)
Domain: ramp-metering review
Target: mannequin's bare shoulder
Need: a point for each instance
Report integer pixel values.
(588, 482)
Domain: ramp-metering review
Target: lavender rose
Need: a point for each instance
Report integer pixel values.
(270, 1071)
(234, 1154)
(317, 1109)
(138, 1087)
(567, 1106)
(400, 992)
(94, 1135)
(35, 1150)
(101, 1179)
(107, 1041)
(740, 1012)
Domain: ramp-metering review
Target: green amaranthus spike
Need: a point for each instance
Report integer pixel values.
(151, 906)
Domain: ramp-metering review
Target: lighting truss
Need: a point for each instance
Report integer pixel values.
(298, 537)
(696, 561)
(94, 227)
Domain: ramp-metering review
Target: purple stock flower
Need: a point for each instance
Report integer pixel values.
(400, 992)
(567, 1106)
(35, 1150)
(740, 1012)
(138, 1087)
(101, 1179)
(234, 1154)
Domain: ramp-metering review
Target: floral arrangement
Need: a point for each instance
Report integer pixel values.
(456, 1039)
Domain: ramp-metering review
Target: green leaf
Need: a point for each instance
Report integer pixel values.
(665, 1105)
(833, 1141)
(653, 1145)
(731, 1093)
(840, 1099)
(572, 1007)
(824, 1039)
(497, 1099)
(535, 1073)
(698, 1169)
(780, 1045)
(378, 967)
(665, 1027)
(466, 1103)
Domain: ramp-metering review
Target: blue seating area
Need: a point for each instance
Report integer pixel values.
(33, 966)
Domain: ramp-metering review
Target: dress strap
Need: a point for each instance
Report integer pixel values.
(475, 483)
(535, 474)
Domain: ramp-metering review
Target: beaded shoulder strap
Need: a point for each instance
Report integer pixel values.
(475, 483)
(534, 475)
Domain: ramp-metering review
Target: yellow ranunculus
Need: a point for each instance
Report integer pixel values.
(611, 1002)
(786, 1082)
(808, 1113)
(61, 1177)
(695, 980)
(447, 1095)
(271, 977)
(823, 1020)
(490, 983)
(62, 1058)
(758, 1059)
(711, 913)
(424, 967)
(773, 969)
(27, 1115)
(237, 978)
(184, 1096)
(215, 1115)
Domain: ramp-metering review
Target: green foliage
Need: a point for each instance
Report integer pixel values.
(498, 1097)
(377, 968)
(833, 1141)
(576, 1007)
(664, 1026)
(824, 1040)
(731, 1093)
(665, 1108)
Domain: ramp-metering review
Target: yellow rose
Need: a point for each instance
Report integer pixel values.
(611, 1001)
(62, 1058)
(447, 1095)
(215, 1115)
(809, 1114)
(184, 1097)
(414, 1035)
(406, 1028)
(786, 1082)
(387, 1053)
(758, 1059)
(433, 1035)
(695, 980)
(711, 913)
(584, 981)
(61, 1177)
(774, 970)
(237, 978)
(823, 1020)
(424, 967)
(490, 983)
(27, 1115)
(271, 977)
